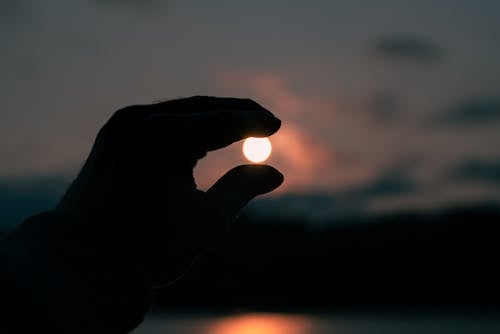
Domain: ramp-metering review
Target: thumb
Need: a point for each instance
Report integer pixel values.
(238, 186)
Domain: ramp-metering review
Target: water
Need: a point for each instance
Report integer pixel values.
(277, 323)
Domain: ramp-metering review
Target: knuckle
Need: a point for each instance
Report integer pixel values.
(127, 112)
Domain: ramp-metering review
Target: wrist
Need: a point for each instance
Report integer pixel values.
(82, 271)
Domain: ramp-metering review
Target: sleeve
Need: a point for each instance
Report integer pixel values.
(57, 275)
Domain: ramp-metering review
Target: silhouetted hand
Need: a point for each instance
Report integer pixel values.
(138, 185)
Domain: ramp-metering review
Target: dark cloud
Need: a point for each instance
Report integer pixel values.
(20, 199)
(487, 172)
(472, 112)
(412, 48)
(386, 185)
(323, 207)
(133, 4)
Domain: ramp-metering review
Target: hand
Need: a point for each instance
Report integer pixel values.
(138, 180)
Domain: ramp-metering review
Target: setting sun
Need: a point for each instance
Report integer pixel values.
(257, 149)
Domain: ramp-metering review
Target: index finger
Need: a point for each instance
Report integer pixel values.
(221, 123)
(199, 104)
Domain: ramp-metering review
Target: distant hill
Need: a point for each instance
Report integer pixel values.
(20, 199)
(443, 259)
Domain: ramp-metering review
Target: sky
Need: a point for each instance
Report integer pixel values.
(386, 105)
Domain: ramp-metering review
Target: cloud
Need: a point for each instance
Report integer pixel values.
(478, 171)
(475, 111)
(407, 47)
(387, 184)
(337, 205)
(133, 4)
(14, 10)
(385, 108)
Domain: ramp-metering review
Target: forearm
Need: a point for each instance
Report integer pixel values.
(72, 279)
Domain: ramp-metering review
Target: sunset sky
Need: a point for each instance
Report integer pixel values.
(385, 104)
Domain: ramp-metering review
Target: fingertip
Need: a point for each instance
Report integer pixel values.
(275, 124)
(269, 175)
(256, 179)
(240, 185)
(280, 178)
(263, 127)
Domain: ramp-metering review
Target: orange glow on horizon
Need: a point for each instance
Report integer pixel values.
(260, 324)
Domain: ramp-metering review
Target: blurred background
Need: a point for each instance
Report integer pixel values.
(389, 147)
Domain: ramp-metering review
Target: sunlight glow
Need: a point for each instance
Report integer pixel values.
(261, 324)
(257, 149)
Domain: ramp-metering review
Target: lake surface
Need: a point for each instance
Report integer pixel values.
(278, 323)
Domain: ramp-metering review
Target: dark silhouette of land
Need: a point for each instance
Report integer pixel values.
(445, 259)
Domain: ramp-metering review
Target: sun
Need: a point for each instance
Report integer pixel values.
(257, 149)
